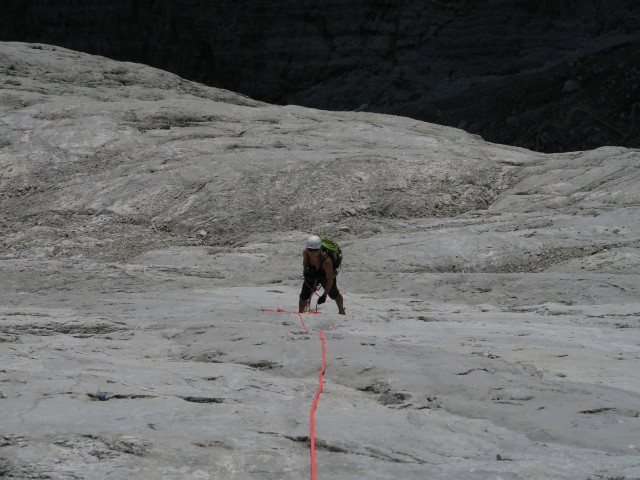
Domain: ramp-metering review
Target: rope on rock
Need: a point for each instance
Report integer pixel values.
(280, 310)
(312, 434)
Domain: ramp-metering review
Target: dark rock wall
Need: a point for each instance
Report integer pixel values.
(551, 75)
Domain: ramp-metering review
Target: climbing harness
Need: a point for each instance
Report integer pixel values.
(314, 290)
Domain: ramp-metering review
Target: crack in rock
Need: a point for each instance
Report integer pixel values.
(262, 365)
(203, 399)
(467, 372)
(103, 396)
(52, 329)
(209, 356)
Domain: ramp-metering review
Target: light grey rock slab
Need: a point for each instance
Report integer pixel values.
(199, 378)
(492, 336)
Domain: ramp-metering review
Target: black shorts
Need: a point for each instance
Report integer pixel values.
(310, 282)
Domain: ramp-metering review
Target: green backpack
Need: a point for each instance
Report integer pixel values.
(329, 247)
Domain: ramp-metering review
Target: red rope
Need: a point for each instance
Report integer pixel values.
(302, 321)
(312, 433)
(280, 310)
(313, 289)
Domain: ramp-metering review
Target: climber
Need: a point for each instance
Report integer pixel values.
(320, 262)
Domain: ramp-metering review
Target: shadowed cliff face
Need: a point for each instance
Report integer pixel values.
(546, 75)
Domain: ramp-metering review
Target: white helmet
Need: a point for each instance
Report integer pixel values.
(313, 242)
